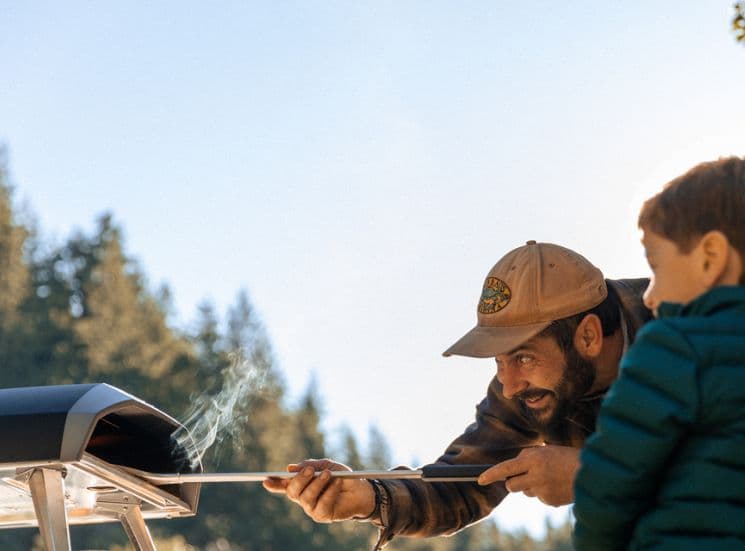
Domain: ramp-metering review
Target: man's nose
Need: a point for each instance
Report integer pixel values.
(512, 381)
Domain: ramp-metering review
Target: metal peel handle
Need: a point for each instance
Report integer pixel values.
(164, 479)
(452, 473)
(429, 473)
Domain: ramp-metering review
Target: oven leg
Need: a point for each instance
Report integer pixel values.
(48, 493)
(136, 529)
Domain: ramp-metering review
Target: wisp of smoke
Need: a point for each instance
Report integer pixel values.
(213, 417)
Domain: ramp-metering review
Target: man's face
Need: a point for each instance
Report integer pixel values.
(544, 378)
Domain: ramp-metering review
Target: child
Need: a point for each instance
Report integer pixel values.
(666, 468)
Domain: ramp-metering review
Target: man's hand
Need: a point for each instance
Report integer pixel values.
(545, 472)
(323, 498)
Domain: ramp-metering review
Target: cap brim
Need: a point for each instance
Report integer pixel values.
(488, 342)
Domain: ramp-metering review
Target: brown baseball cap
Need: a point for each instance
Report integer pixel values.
(525, 291)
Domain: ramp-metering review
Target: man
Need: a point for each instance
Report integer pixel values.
(557, 330)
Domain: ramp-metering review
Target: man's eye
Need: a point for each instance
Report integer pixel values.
(523, 359)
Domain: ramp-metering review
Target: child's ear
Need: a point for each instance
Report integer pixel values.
(715, 258)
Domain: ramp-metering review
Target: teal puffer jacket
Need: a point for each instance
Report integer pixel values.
(665, 469)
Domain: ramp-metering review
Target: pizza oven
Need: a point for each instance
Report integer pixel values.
(68, 456)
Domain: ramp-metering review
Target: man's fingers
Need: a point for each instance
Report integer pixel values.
(325, 505)
(317, 464)
(503, 471)
(322, 497)
(294, 486)
(275, 485)
(297, 484)
(518, 483)
(309, 496)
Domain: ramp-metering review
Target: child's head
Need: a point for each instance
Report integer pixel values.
(694, 232)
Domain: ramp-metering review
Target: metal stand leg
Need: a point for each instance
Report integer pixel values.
(136, 529)
(48, 494)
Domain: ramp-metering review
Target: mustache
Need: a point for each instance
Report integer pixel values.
(532, 393)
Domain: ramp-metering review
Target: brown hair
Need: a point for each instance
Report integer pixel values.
(710, 196)
(609, 312)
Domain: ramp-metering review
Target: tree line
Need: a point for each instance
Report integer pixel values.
(81, 311)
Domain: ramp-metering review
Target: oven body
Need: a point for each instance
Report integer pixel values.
(65, 459)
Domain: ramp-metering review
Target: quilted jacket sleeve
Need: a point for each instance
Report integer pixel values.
(643, 418)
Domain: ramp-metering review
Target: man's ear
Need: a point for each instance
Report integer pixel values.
(714, 258)
(588, 338)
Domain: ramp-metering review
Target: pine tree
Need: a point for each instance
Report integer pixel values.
(15, 278)
(350, 450)
(308, 419)
(57, 356)
(120, 323)
(378, 449)
(15, 285)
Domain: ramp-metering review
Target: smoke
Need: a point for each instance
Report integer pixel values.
(212, 418)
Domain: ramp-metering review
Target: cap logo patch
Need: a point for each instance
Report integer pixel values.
(495, 296)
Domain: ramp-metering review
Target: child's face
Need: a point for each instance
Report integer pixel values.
(675, 275)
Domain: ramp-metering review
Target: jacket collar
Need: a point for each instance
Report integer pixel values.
(714, 300)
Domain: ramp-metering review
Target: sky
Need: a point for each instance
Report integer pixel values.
(357, 167)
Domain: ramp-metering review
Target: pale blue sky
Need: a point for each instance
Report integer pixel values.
(358, 167)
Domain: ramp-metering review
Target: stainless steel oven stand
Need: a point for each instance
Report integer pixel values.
(47, 487)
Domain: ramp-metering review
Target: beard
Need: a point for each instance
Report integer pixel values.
(575, 382)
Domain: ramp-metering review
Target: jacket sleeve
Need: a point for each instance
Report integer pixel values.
(643, 418)
(419, 508)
